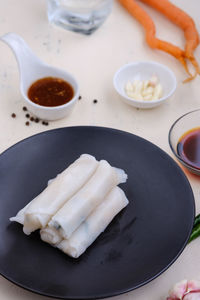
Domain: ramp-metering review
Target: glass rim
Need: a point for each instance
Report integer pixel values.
(170, 144)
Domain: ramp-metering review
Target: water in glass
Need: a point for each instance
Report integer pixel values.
(83, 16)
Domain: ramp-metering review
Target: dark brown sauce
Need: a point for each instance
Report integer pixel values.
(188, 147)
(50, 91)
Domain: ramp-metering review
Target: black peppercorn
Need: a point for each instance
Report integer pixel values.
(45, 123)
(13, 115)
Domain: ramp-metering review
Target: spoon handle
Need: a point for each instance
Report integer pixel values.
(25, 57)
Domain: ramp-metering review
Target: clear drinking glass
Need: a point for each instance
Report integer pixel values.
(83, 16)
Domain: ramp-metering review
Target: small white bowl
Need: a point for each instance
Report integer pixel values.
(142, 71)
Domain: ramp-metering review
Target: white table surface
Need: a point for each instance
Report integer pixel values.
(93, 60)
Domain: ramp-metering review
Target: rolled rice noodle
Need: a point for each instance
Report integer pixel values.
(95, 224)
(50, 235)
(40, 210)
(78, 208)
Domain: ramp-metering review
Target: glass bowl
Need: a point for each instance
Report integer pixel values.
(186, 123)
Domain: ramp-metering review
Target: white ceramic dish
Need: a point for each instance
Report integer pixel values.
(144, 70)
(31, 69)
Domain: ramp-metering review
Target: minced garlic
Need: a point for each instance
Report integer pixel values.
(146, 90)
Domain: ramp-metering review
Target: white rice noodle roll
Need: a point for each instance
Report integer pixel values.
(95, 224)
(20, 215)
(50, 235)
(54, 196)
(77, 209)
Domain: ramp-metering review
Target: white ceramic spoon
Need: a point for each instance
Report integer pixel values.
(31, 68)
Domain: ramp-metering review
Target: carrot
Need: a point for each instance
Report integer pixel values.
(182, 20)
(139, 13)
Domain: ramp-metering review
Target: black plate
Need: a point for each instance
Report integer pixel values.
(140, 243)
